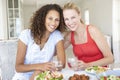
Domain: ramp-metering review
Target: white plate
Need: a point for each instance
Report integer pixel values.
(111, 72)
(95, 70)
(91, 72)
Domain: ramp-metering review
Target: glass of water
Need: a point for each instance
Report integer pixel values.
(114, 66)
(57, 64)
(73, 63)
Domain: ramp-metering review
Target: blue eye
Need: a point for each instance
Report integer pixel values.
(65, 19)
(72, 17)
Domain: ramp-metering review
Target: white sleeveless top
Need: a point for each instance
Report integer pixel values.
(34, 54)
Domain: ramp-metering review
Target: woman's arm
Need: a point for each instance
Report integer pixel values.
(21, 67)
(102, 44)
(60, 51)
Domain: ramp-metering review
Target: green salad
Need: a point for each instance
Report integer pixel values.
(110, 77)
(47, 75)
(96, 69)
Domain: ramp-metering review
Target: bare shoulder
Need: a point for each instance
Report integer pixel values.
(94, 31)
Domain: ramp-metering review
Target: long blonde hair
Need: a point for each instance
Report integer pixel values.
(72, 5)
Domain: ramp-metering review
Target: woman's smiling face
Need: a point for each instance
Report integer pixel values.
(71, 18)
(52, 20)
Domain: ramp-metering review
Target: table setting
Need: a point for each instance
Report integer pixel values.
(66, 73)
(111, 72)
(104, 73)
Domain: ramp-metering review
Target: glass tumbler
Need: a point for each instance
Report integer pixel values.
(57, 64)
(114, 66)
(73, 63)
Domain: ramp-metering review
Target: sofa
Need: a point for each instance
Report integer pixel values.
(8, 49)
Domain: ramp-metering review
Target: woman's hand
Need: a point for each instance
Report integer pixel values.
(82, 65)
(35, 73)
(48, 66)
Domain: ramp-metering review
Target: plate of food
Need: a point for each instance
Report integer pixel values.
(49, 75)
(69, 74)
(95, 69)
(79, 77)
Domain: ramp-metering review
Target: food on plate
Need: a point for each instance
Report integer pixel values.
(110, 77)
(49, 75)
(79, 77)
(96, 69)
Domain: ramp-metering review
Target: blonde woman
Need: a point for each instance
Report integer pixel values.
(89, 44)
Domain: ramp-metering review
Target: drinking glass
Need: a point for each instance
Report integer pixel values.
(57, 64)
(114, 66)
(73, 63)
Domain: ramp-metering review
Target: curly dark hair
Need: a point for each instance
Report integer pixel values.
(38, 21)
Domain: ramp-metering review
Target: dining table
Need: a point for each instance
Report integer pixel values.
(111, 70)
(67, 72)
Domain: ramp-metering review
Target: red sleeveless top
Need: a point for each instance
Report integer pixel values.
(88, 51)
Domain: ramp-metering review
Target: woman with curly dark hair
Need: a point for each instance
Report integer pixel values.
(38, 44)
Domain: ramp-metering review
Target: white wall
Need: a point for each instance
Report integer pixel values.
(3, 20)
(116, 30)
(100, 14)
(1, 29)
(28, 11)
(119, 17)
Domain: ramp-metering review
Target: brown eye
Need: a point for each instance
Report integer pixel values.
(50, 18)
(57, 20)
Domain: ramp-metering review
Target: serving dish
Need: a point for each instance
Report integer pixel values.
(110, 77)
(67, 73)
(49, 75)
(96, 70)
